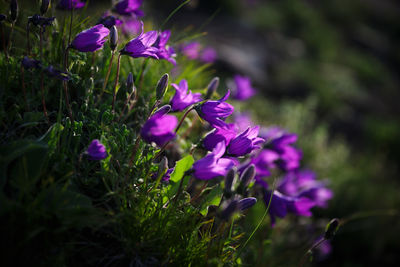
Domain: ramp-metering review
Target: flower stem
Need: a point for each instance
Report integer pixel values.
(10, 38)
(108, 72)
(116, 83)
(23, 87)
(28, 45)
(70, 23)
(65, 83)
(42, 77)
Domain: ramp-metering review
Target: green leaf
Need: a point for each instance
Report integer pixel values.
(212, 198)
(181, 167)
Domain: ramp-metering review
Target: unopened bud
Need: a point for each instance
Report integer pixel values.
(162, 85)
(228, 211)
(44, 6)
(163, 110)
(13, 10)
(130, 85)
(331, 228)
(229, 178)
(248, 174)
(212, 87)
(247, 203)
(113, 38)
(162, 167)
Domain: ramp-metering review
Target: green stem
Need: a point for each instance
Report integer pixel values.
(65, 83)
(10, 38)
(108, 73)
(173, 13)
(116, 83)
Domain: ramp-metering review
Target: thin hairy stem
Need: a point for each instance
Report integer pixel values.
(65, 83)
(116, 83)
(108, 72)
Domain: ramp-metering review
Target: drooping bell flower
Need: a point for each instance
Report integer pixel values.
(159, 128)
(90, 40)
(215, 111)
(191, 50)
(281, 205)
(142, 46)
(69, 4)
(109, 21)
(223, 132)
(281, 142)
(208, 55)
(129, 7)
(164, 51)
(41, 21)
(303, 183)
(96, 151)
(245, 142)
(182, 98)
(29, 63)
(241, 88)
(212, 165)
(55, 73)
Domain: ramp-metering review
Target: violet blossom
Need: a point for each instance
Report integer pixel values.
(224, 132)
(241, 88)
(247, 203)
(29, 63)
(90, 40)
(142, 46)
(208, 55)
(215, 111)
(245, 142)
(159, 128)
(131, 26)
(165, 51)
(242, 121)
(69, 4)
(182, 98)
(109, 21)
(191, 50)
(96, 150)
(281, 205)
(129, 7)
(303, 183)
(56, 73)
(213, 165)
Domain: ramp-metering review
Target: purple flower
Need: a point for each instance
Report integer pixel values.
(212, 165)
(245, 142)
(55, 73)
(167, 175)
(182, 99)
(164, 51)
(69, 4)
(224, 132)
(191, 50)
(142, 46)
(304, 184)
(208, 55)
(109, 21)
(159, 128)
(131, 26)
(215, 111)
(41, 21)
(29, 63)
(281, 205)
(96, 150)
(281, 142)
(264, 162)
(90, 40)
(242, 89)
(129, 7)
(242, 121)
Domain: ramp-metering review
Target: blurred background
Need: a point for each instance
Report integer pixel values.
(328, 71)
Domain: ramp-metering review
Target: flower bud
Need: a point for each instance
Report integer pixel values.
(13, 10)
(331, 228)
(162, 167)
(246, 177)
(212, 87)
(247, 203)
(130, 84)
(229, 178)
(162, 85)
(113, 38)
(228, 211)
(44, 6)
